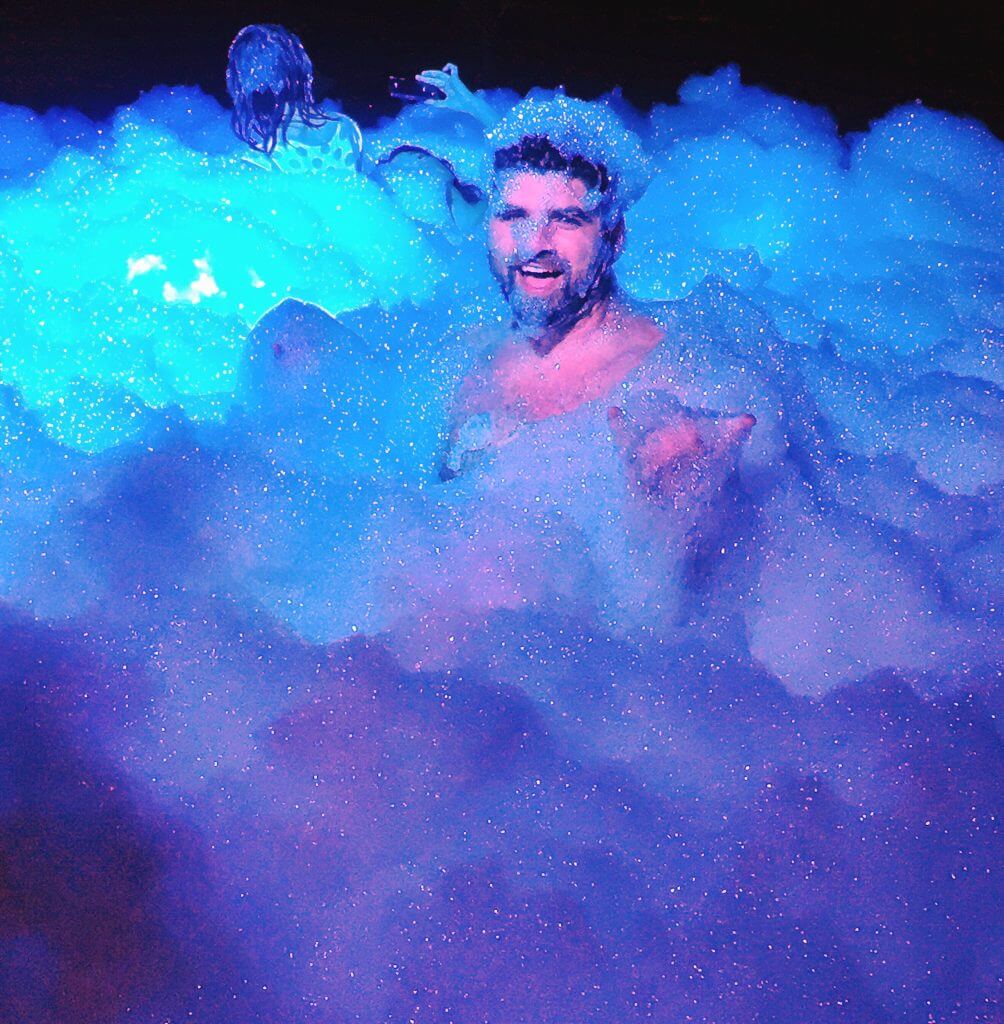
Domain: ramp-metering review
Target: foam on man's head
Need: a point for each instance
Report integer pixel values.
(586, 140)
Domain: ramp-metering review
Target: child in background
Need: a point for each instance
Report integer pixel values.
(270, 80)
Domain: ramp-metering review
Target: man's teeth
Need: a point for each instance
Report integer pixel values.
(538, 272)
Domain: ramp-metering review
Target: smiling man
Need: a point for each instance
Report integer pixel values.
(599, 439)
(555, 230)
(554, 234)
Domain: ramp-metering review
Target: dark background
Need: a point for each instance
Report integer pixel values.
(857, 59)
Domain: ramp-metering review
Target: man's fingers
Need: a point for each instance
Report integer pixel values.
(675, 443)
(739, 426)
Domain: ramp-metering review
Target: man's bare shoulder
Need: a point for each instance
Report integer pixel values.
(654, 329)
(654, 311)
(630, 315)
(486, 345)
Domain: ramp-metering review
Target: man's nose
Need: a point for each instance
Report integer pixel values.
(532, 235)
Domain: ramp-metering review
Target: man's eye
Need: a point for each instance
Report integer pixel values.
(574, 219)
(509, 214)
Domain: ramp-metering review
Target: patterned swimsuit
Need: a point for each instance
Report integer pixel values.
(330, 146)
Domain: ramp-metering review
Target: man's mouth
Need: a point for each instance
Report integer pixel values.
(538, 278)
(537, 272)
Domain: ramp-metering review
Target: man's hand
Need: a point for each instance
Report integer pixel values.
(677, 456)
(457, 96)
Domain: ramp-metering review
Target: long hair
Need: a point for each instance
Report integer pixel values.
(270, 79)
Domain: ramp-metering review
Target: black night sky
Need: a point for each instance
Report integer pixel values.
(857, 59)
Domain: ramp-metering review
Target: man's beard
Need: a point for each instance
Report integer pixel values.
(555, 313)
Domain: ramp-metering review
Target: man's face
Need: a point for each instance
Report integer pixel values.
(546, 244)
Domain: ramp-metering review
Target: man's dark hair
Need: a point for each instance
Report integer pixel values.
(538, 153)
